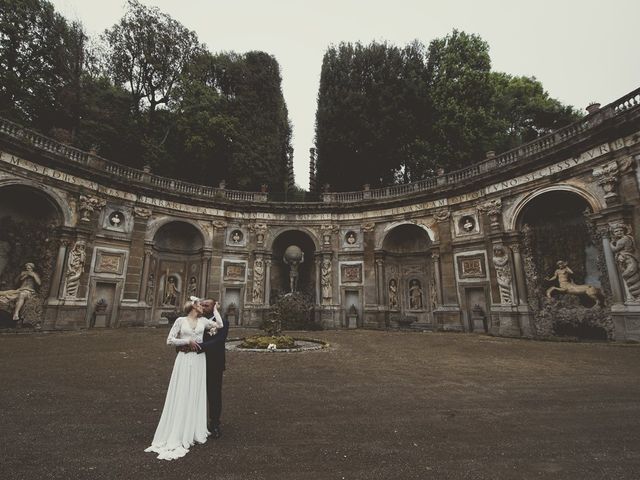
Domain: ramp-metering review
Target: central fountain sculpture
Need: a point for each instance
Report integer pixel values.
(293, 256)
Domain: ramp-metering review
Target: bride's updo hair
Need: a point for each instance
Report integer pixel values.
(189, 304)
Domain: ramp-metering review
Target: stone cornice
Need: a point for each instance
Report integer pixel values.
(594, 135)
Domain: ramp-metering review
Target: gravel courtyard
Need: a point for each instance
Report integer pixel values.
(374, 405)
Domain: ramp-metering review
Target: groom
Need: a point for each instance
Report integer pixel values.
(214, 349)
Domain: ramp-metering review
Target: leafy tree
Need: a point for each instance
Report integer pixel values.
(205, 135)
(40, 65)
(107, 124)
(523, 110)
(147, 53)
(371, 103)
(388, 115)
(458, 67)
(250, 85)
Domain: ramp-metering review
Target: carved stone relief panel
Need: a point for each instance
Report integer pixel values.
(326, 232)
(260, 231)
(350, 272)
(234, 271)
(75, 267)
(471, 266)
(502, 263)
(87, 204)
(109, 261)
(257, 295)
(623, 247)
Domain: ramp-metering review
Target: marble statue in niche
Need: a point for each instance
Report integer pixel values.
(171, 292)
(192, 288)
(116, 219)
(564, 276)
(151, 283)
(236, 236)
(393, 293)
(468, 224)
(293, 256)
(28, 281)
(415, 295)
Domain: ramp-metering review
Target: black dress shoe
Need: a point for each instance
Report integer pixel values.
(215, 432)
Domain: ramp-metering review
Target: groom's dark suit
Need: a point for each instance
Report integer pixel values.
(214, 348)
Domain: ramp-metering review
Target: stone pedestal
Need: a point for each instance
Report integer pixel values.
(100, 320)
(352, 320)
(511, 321)
(508, 324)
(626, 322)
(478, 320)
(448, 318)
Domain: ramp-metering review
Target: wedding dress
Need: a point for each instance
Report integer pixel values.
(184, 417)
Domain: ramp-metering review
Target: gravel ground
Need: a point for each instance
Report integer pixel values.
(374, 405)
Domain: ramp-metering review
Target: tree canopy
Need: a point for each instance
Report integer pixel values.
(146, 92)
(392, 115)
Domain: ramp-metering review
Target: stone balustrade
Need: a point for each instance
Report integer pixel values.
(560, 137)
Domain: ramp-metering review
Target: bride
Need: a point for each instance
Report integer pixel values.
(184, 417)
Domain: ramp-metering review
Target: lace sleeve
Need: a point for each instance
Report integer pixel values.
(174, 334)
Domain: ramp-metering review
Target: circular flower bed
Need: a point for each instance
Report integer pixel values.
(266, 342)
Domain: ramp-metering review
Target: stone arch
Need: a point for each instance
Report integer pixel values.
(31, 215)
(554, 231)
(515, 218)
(57, 201)
(406, 280)
(380, 240)
(307, 270)
(279, 231)
(157, 223)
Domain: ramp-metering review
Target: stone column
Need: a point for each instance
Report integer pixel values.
(267, 281)
(435, 258)
(204, 272)
(318, 260)
(521, 283)
(145, 273)
(58, 271)
(380, 287)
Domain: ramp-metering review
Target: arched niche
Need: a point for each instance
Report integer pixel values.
(178, 267)
(178, 237)
(407, 279)
(29, 221)
(554, 227)
(515, 217)
(280, 271)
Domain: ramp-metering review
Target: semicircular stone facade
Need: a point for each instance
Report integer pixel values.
(534, 242)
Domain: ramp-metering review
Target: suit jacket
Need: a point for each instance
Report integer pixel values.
(214, 347)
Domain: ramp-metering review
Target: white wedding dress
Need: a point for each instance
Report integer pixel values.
(184, 418)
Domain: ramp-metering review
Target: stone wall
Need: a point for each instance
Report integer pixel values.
(446, 254)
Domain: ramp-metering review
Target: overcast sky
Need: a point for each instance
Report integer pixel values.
(581, 50)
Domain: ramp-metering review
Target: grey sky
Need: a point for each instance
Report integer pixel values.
(582, 51)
